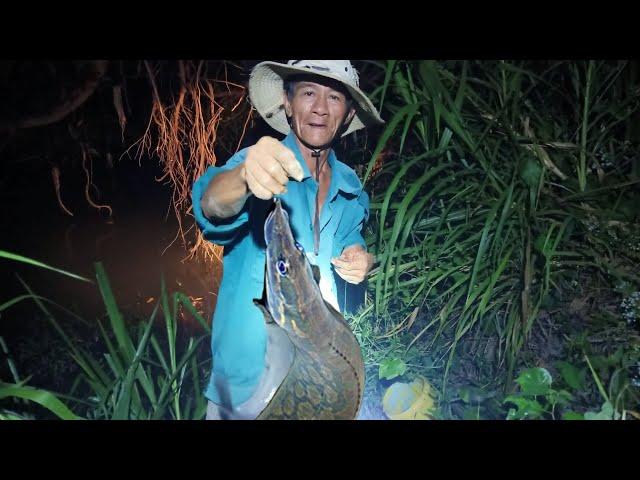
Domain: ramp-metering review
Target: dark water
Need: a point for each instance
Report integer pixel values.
(134, 244)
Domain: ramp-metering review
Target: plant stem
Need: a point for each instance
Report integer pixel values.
(595, 377)
(582, 169)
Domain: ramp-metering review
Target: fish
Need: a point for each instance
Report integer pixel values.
(327, 375)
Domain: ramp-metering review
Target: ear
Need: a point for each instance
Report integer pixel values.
(350, 116)
(287, 104)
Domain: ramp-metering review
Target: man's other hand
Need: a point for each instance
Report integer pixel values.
(354, 264)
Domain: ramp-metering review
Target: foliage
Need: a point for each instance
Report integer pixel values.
(144, 371)
(503, 185)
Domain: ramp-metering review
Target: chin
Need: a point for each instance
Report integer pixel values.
(317, 140)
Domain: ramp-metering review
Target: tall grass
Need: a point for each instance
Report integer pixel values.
(144, 372)
(485, 207)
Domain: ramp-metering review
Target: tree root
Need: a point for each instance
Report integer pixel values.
(55, 175)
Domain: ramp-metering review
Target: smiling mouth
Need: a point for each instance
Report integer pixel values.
(317, 125)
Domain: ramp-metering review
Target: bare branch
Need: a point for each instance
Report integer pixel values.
(60, 111)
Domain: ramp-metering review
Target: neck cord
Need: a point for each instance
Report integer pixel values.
(315, 153)
(316, 217)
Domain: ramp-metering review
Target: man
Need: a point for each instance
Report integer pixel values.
(313, 102)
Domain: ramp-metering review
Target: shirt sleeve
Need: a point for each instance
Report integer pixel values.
(358, 220)
(219, 231)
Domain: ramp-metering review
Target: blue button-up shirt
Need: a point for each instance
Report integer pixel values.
(238, 340)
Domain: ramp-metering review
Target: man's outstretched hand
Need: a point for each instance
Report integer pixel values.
(354, 264)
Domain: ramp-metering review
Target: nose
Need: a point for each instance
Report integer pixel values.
(320, 106)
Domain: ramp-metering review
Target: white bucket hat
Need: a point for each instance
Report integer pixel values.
(266, 90)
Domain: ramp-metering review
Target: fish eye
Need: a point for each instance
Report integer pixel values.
(281, 265)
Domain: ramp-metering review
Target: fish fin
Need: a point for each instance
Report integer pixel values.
(332, 309)
(226, 407)
(267, 316)
(337, 314)
(224, 392)
(316, 273)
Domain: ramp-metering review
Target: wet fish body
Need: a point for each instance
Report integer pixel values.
(326, 377)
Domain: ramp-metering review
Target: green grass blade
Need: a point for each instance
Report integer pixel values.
(20, 258)
(41, 397)
(482, 247)
(117, 323)
(123, 407)
(186, 302)
(407, 111)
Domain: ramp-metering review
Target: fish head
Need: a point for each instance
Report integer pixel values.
(290, 282)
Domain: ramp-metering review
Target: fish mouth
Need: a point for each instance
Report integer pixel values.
(277, 222)
(277, 233)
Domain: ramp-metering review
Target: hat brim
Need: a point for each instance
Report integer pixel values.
(266, 94)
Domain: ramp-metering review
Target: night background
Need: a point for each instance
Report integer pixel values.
(504, 220)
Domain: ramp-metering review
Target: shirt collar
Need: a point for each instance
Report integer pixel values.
(342, 177)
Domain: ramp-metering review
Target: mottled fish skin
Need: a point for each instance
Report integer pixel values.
(326, 379)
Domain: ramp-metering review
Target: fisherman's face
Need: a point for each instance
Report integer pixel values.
(317, 111)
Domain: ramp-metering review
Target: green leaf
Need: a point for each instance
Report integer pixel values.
(391, 368)
(573, 376)
(528, 408)
(186, 302)
(117, 322)
(471, 413)
(605, 413)
(42, 397)
(474, 394)
(6, 415)
(20, 258)
(563, 397)
(571, 415)
(512, 415)
(535, 381)
(530, 172)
